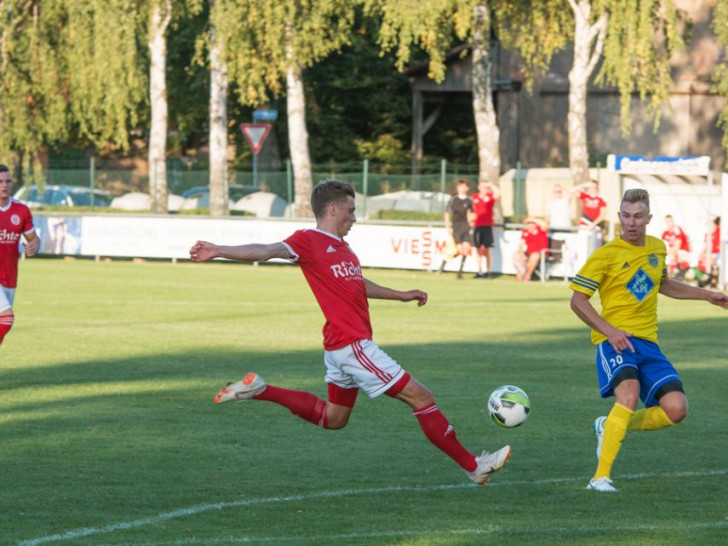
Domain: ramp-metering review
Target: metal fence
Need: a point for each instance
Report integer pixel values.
(390, 186)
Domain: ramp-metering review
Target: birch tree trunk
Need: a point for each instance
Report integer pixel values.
(298, 134)
(219, 199)
(483, 107)
(158, 24)
(588, 46)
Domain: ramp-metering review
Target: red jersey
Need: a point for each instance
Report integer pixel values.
(715, 241)
(15, 220)
(334, 274)
(673, 236)
(483, 209)
(536, 240)
(591, 205)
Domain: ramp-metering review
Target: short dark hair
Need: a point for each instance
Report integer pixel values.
(4, 168)
(327, 192)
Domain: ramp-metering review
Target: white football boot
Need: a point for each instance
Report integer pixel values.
(250, 385)
(488, 463)
(601, 484)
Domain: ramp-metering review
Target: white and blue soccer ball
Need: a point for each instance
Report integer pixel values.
(509, 406)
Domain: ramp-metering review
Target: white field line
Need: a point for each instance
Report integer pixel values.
(201, 508)
(415, 533)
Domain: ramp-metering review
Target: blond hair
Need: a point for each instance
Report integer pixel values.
(637, 195)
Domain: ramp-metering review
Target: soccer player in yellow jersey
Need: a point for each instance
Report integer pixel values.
(629, 272)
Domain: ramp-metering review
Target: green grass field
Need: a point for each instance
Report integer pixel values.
(108, 434)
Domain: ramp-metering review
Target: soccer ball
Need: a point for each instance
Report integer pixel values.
(509, 406)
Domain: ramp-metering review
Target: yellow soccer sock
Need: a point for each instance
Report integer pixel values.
(615, 429)
(653, 418)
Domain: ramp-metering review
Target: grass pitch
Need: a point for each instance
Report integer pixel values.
(108, 434)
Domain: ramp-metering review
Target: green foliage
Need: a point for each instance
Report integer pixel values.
(107, 82)
(408, 24)
(720, 77)
(536, 30)
(33, 85)
(357, 101)
(262, 38)
(651, 32)
(69, 67)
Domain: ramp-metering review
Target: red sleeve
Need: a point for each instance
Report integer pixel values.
(300, 244)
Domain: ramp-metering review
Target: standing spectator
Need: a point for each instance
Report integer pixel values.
(483, 203)
(458, 217)
(534, 241)
(15, 221)
(558, 211)
(710, 254)
(629, 273)
(353, 361)
(558, 217)
(593, 207)
(678, 248)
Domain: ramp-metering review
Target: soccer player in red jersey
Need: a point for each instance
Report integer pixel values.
(353, 361)
(483, 203)
(15, 221)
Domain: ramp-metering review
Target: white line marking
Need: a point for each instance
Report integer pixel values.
(200, 508)
(417, 533)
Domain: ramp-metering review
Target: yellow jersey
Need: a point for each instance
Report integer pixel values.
(628, 278)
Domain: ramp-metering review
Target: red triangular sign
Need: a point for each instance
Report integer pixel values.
(255, 134)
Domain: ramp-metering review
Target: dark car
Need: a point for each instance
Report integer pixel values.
(63, 196)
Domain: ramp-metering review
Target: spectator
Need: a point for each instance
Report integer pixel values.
(458, 217)
(593, 207)
(710, 254)
(558, 217)
(534, 240)
(483, 203)
(678, 249)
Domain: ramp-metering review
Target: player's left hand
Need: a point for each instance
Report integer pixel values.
(31, 247)
(418, 295)
(718, 298)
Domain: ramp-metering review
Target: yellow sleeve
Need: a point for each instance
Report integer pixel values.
(591, 274)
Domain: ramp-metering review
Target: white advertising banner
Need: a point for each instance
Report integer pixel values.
(399, 247)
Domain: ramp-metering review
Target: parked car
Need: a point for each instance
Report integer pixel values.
(199, 196)
(63, 196)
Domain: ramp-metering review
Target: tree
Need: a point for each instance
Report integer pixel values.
(33, 88)
(267, 42)
(68, 67)
(159, 19)
(720, 26)
(634, 40)
(435, 25)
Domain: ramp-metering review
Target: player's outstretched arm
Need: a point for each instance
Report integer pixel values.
(375, 291)
(203, 251)
(681, 291)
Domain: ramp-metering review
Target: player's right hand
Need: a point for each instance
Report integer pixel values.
(202, 251)
(619, 340)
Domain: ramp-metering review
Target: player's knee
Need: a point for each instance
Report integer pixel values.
(337, 422)
(673, 401)
(676, 409)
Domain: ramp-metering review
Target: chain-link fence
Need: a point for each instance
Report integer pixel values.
(416, 193)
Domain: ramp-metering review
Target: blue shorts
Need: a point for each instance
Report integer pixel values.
(653, 369)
